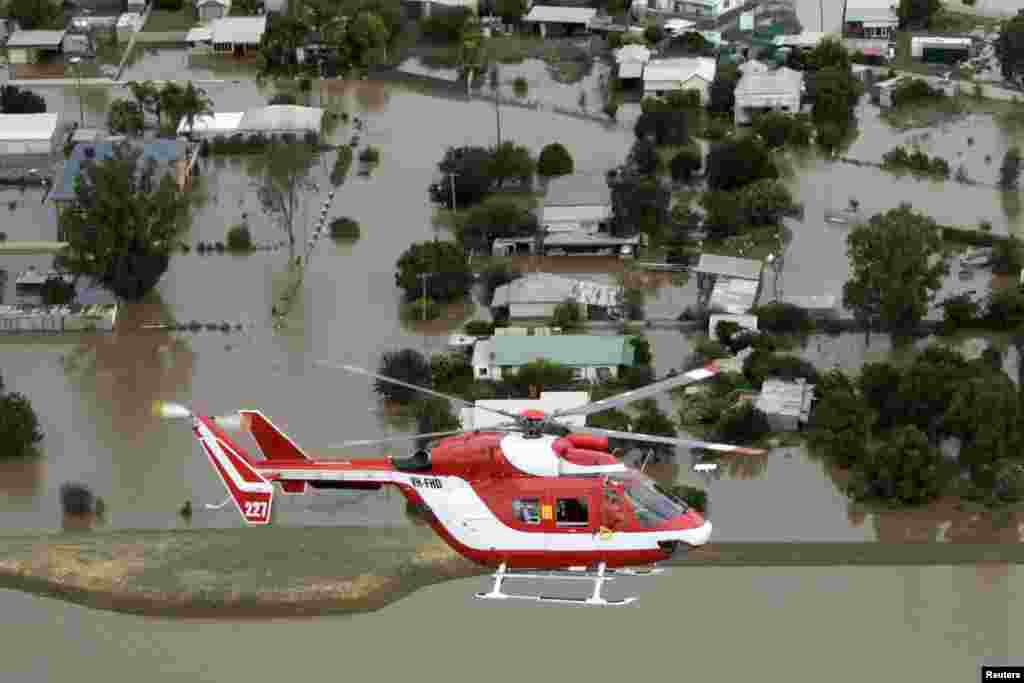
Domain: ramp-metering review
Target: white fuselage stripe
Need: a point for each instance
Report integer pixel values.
(215, 447)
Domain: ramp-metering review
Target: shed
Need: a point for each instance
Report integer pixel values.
(631, 60)
(208, 10)
(28, 134)
(940, 49)
(282, 118)
(662, 76)
(549, 401)
(536, 295)
(870, 18)
(570, 18)
(786, 404)
(209, 125)
(779, 90)
(734, 295)
(237, 35)
(729, 266)
(807, 40)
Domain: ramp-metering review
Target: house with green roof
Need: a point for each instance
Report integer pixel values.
(593, 358)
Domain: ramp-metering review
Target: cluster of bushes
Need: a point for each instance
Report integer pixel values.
(240, 143)
(370, 155)
(1003, 311)
(20, 431)
(778, 129)
(239, 238)
(914, 90)
(916, 162)
(345, 229)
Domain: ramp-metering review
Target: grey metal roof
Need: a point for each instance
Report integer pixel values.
(780, 81)
(729, 266)
(561, 15)
(50, 39)
(238, 30)
(282, 117)
(578, 189)
(792, 399)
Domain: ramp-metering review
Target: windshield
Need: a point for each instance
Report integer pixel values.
(653, 505)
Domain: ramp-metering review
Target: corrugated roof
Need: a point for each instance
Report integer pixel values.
(783, 81)
(548, 288)
(734, 295)
(730, 266)
(578, 189)
(631, 70)
(790, 399)
(561, 15)
(238, 30)
(632, 53)
(574, 214)
(163, 151)
(199, 34)
(576, 350)
(871, 10)
(282, 117)
(49, 39)
(681, 69)
(219, 122)
(28, 126)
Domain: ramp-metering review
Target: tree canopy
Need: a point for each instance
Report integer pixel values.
(125, 117)
(639, 204)
(898, 265)
(407, 365)
(511, 161)
(125, 223)
(918, 13)
(722, 92)
(19, 426)
(35, 15)
(735, 163)
(495, 218)
(1010, 48)
(445, 262)
(554, 160)
(282, 177)
(473, 179)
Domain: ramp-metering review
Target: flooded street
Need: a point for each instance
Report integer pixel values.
(915, 623)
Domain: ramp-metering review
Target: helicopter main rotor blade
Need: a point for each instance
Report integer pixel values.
(686, 443)
(415, 387)
(409, 437)
(619, 400)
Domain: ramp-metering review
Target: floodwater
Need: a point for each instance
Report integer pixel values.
(913, 623)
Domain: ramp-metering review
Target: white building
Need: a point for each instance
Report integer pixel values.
(694, 8)
(870, 18)
(662, 76)
(592, 357)
(237, 35)
(779, 90)
(786, 404)
(281, 118)
(570, 18)
(631, 60)
(549, 402)
(209, 125)
(940, 48)
(808, 40)
(536, 295)
(22, 134)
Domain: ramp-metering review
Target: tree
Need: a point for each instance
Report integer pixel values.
(1010, 48)
(841, 424)
(613, 418)
(125, 117)
(959, 312)
(639, 204)
(125, 223)
(19, 426)
(684, 164)
(147, 96)
(762, 203)
(193, 103)
(736, 163)
(541, 374)
(33, 15)
(472, 168)
(905, 467)
(722, 92)
(898, 265)
(407, 365)
(643, 157)
(567, 315)
(744, 424)
(985, 414)
(778, 129)
(14, 100)
(342, 163)
(554, 160)
(511, 11)
(283, 179)
(511, 161)
(1009, 172)
(495, 275)
(829, 53)
(641, 350)
(879, 384)
(654, 34)
(664, 124)
(367, 38)
(171, 98)
(451, 372)
(836, 93)
(496, 217)
(449, 273)
(927, 388)
(434, 415)
(918, 13)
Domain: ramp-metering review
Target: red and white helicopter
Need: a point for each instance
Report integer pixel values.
(531, 495)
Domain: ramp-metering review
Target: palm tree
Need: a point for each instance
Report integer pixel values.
(193, 103)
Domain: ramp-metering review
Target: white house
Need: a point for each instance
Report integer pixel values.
(209, 125)
(592, 358)
(22, 134)
(779, 90)
(695, 8)
(870, 18)
(631, 60)
(940, 48)
(277, 119)
(807, 40)
(536, 295)
(662, 76)
(550, 401)
(237, 35)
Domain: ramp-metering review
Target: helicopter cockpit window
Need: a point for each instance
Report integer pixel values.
(651, 504)
(527, 510)
(571, 512)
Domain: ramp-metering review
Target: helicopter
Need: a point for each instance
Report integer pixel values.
(530, 496)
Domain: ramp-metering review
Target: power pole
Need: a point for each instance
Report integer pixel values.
(423, 277)
(821, 15)
(451, 184)
(497, 110)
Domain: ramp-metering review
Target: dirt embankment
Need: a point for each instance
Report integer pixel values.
(287, 571)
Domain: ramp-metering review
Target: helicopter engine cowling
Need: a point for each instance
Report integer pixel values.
(589, 442)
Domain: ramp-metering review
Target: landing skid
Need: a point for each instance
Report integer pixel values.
(599, 577)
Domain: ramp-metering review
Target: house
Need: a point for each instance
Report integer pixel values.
(808, 40)
(32, 48)
(662, 76)
(570, 19)
(779, 90)
(870, 19)
(281, 119)
(727, 283)
(576, 203)
(939, 49)
(536, 295)
(592, 358)
(705, 9)
(170, 155)
(478, 417)
(569, 243)
(786, 404)
(208, 10)
(29, 134)
(734, 295)
(746, 322)
(237, 36)
(210, 125)
(631, 60)
(753, 66)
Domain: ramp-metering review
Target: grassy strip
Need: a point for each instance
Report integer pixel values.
(856, 554)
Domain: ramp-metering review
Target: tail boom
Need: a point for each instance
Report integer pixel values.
(252, 493)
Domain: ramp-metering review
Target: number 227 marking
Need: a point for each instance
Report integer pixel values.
(255, 508)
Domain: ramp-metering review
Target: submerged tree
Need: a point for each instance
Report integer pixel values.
(19, 426)
(283, 180)
(125, 223)
(407, 365)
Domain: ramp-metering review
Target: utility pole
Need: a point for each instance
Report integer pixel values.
(423, 277)
(451, 184)
(497, 109)
(821, 15)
